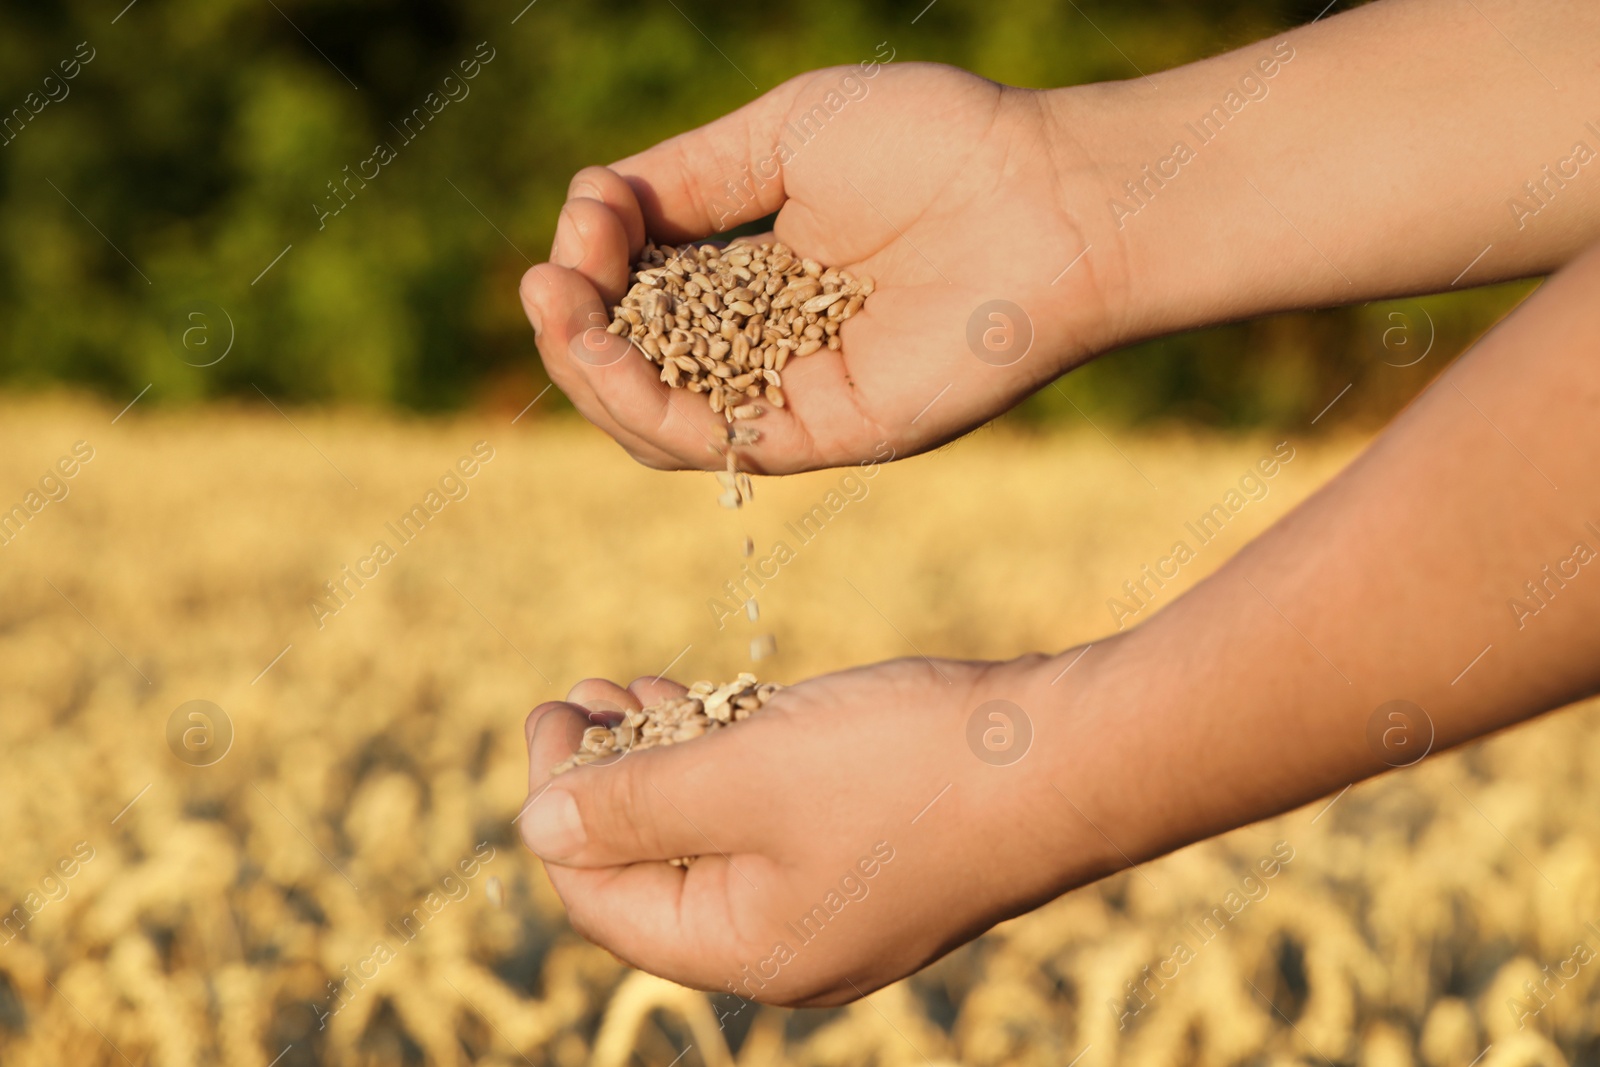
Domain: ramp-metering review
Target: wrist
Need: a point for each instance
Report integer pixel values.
(1078, 784)
(1189, 242)
(1090, 131)
(1136, 753)
(1214, 714)
(1150, 265)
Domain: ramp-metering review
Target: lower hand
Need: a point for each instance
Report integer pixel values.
(847, 834)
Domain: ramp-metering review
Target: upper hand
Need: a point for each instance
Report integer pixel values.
(949, 190)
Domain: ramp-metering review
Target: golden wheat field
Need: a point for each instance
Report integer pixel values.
(176, 914)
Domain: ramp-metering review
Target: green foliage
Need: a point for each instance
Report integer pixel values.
(191, 150)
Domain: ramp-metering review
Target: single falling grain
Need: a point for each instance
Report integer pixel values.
(762, 647)
(738, 489)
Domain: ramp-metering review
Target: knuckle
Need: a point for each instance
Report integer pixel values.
(587, 213)
(655, 459)
(531, 723)
(589, 181)
(522, 832)
(535, 280)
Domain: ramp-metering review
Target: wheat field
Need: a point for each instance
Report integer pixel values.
(176, 912)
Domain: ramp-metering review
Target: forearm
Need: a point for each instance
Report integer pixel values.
(1400, 580)
(1385, 151)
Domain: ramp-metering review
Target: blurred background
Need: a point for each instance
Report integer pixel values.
(194, 147)
(254, 387)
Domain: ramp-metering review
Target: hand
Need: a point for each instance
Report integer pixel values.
(948, 190)
(1254, 692)
(846, 834)
(952, 191)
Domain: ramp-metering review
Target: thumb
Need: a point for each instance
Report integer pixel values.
(653, 805)
(727, 172)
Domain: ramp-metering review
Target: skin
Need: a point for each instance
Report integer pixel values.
(1398, 580)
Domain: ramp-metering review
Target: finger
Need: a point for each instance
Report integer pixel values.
(612, 190)
(605, 700)
(659, 916)
(653, 690)
(611, 383)
(592, 240)
(532, 721)
(568, 317)
(685, 185)
(646, 805)
(554, 731)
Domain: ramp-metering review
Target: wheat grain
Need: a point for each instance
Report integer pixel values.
(705, 707)
(724, 321)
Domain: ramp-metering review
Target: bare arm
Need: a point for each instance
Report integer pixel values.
(1250, 695)
(1385, 152)
(1455, 565)
(1374, 153)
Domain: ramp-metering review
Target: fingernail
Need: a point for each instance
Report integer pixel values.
(568, 248)
(529, 288)
(586, 190)
(552, 828)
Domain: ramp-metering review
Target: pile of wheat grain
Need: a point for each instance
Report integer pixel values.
(725, 321)
(706, 707)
